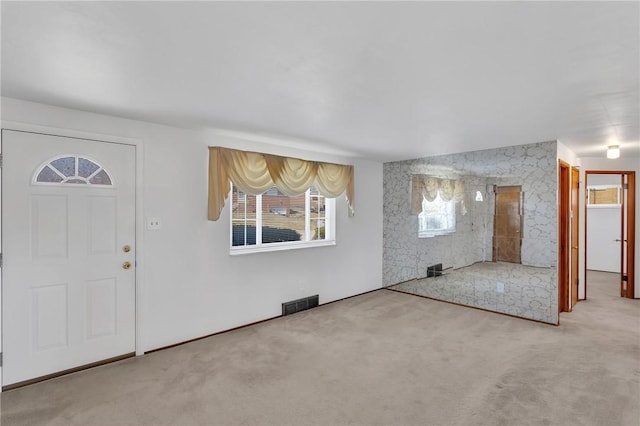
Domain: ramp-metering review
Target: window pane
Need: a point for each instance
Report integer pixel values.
(273, 217)
(282, 217)
(317, 214)
(243, 234)
(48, 175)
(75, 180)
(438, 217)
(63, 170)
(603, 196)
(318, 230)
(102, 178)
(66, 165)
(243, 217)
(86, 167)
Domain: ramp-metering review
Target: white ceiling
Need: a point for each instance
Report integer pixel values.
(383, 80)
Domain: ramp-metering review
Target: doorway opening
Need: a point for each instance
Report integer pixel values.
(610, 228)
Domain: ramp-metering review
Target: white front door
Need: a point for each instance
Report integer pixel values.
(68, 219)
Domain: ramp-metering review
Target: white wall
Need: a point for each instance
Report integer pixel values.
(604, 180)
(191, 286)
(567, 155)
(624, 163)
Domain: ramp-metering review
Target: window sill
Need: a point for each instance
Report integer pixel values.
(435, 234)
(236, 251)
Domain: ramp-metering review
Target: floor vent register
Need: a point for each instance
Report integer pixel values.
(298, 305)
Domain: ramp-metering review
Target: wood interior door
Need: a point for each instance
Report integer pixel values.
(507, 224)
(575, 244)
(564, 229)
(627, 245)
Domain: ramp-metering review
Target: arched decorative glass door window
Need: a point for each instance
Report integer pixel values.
(72, 169)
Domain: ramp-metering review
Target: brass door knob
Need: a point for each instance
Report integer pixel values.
(126, 265)
(126, 248)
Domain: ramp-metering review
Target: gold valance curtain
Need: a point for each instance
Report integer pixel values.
(428, 187)
(254, 173)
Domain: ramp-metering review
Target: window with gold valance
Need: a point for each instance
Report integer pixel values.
(254, 173)
(424, 187)
(434, 200)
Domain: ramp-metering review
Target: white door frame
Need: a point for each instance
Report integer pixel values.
(139, 219)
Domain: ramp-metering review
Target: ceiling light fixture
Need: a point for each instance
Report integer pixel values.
(613, 151)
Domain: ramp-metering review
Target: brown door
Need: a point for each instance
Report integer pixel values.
(575, 220)
(627, 245)
(564, 229)
(507, 224)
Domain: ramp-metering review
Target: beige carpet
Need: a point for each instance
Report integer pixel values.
(384, 358)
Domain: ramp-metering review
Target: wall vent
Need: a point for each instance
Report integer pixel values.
(298, 305)
(434, 271)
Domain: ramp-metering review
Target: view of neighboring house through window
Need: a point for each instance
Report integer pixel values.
(273, 219)
(438, 217)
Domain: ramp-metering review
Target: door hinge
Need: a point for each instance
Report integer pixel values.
(0, 359)
(0, 160)
(625, 278)
(625, 186)
(0, 260)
